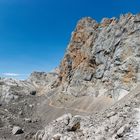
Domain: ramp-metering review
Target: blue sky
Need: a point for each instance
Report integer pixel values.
(34, 33)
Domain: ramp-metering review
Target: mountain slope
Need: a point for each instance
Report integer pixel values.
(121, 121)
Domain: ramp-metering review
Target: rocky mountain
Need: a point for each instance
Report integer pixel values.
(93, 95)
(102, 58)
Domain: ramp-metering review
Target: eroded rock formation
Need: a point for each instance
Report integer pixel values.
(102, 58)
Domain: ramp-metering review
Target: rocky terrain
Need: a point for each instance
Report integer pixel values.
(121, 121)
(93, 95)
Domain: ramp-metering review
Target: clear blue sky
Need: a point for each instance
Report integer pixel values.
(34, 33)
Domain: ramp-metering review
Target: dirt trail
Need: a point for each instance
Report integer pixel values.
(66, 108)
(86, 104)
(41, 92)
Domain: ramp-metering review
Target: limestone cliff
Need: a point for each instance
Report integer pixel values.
(102, 58)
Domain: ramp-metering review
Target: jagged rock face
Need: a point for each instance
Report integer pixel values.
(78, 60)
(102, 58)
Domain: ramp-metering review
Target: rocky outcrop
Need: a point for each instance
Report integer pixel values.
(42, 78)
(11, 89)
(43, 81)
(38, 82)
(102, 58)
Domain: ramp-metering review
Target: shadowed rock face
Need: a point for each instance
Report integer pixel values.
(102, 58)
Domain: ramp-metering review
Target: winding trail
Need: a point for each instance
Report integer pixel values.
(41, 91)
(66, 108)
(86, 104)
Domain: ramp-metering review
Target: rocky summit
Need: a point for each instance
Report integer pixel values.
(93, 95)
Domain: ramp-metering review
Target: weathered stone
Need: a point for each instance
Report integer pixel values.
(74, 123)
(122, 130)
(28, 120)
(65, 118)
(57, 137)
(111, 114)
(100, 71)
(17, 130)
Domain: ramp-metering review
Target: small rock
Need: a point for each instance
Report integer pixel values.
(10, 126)
(74, 123)
(20, 113)
(33, 92)
(122, 130)
(31, 106)
(57, 136)
(35, 120)
(111, 114)
(17, 130)
(28, 120)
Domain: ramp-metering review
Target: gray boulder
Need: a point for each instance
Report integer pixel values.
(17, 130)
